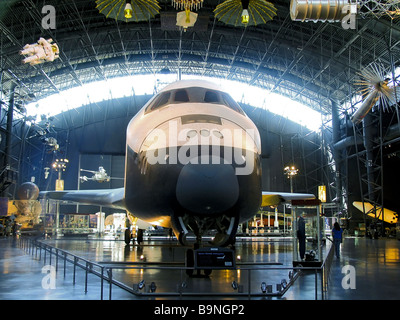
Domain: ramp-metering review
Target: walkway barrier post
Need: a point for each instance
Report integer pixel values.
(102, 282)
(56, 260)
(86, 276)
(109, 272)
(65, 262)
(75, 262)
(316, 284)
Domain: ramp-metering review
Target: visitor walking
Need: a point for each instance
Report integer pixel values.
(337, 234)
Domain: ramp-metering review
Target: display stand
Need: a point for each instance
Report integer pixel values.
(309, 210)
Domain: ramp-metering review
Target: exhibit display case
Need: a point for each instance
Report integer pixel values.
(309, 232)
(71, 224)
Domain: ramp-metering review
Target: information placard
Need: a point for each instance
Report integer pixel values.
(214, 258)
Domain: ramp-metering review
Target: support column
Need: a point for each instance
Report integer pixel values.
(8, 174)
(10, 118)
(368, 144)
(336, 153)
(276, 222)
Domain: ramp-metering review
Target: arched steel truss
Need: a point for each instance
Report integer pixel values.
(313, 63)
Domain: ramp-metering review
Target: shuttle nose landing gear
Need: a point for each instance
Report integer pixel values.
(225, 227)
(201, 260)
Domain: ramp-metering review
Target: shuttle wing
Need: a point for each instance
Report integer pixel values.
(113, 198)
(275, 198)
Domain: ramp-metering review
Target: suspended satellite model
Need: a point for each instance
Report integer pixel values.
(374, 88)
(186, 19)
(335, 11)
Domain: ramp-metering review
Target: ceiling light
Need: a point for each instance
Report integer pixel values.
(245, 16)
(128, 11)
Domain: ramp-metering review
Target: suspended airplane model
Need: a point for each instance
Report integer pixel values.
(192, 164)
(387, 215)
(99, 176)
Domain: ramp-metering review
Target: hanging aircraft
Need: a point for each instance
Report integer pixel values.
(192, 164)
(99, 176)
(387, 215)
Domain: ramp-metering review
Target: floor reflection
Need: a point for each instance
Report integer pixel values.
(162, 261)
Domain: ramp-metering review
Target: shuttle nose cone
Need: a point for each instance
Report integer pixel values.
(207, 188)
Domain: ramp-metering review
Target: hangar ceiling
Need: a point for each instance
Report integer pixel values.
(313, 63)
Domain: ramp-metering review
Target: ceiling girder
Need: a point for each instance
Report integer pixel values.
(311, 63)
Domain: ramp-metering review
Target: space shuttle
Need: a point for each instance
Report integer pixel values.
(193, 164)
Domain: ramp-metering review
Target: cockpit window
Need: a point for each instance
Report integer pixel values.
(211, 97)
(181, 96)
(194, 95)
(228, 101)
(160, 101)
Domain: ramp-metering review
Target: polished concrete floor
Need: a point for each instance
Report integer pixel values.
(367, 269)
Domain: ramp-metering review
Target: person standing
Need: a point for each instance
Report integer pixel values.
(301, 235)
(337, 234)
(139, 238)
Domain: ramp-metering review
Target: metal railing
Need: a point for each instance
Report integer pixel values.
(106, 273)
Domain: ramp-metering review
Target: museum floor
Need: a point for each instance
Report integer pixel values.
(23, 273)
